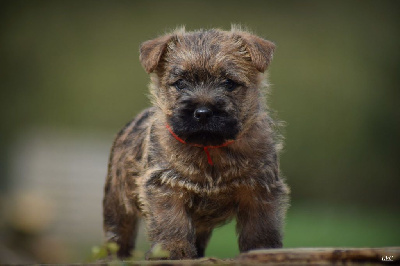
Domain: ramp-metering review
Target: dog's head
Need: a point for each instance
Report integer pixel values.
(207, 83)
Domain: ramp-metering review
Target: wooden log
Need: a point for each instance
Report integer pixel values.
(295, 256)
(322, 256)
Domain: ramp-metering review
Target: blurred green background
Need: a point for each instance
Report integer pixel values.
(70, 79)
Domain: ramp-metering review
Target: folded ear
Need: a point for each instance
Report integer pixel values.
(152, 50)
(260, 50)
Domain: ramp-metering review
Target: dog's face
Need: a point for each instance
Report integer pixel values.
(207, 82)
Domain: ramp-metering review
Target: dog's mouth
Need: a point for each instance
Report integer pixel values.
(215, 132)
(205, 138)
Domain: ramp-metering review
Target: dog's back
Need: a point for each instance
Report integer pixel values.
(126, 164)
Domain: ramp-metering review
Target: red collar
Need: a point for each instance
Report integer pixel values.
(206, 148)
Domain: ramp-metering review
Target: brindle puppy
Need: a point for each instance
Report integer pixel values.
(206, 152)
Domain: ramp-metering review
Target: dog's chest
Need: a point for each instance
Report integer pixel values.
(214, 208)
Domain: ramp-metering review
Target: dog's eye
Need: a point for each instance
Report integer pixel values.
(230, 85)
(179, 84)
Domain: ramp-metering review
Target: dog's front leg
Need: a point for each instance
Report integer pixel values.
(259, 221)
(169, 226)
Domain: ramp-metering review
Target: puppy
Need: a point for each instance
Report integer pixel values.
(205, 152)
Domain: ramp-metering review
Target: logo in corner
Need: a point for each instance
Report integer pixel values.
(387, 258)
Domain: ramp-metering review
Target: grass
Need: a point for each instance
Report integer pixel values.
(314, 225)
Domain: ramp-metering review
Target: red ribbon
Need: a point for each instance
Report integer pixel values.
(205, 148)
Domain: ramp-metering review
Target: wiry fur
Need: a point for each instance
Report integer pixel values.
(172, 185)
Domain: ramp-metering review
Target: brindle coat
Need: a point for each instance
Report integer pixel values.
(181, 196)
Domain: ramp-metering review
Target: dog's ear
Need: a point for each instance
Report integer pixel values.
(260, 50)
(151, 52)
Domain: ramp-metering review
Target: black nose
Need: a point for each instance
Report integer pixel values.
(202, 114)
